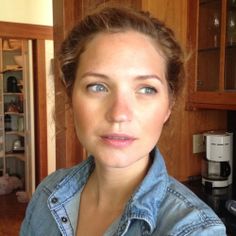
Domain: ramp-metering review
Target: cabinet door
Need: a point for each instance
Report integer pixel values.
(2, 159)
(209, 32)
(230, 50)
(212, 39)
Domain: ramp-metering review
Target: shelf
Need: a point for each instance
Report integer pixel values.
(12, 94)
(202, 2)
(208, 49)
(15, 50)
(192, 106)
(22, 134)
(20, 69)
(20, 156)
(14, 113)
(231, 46)
(14, 81)
(212, 100)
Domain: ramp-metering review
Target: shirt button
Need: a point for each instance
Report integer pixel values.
(54, 200)
(64, 219)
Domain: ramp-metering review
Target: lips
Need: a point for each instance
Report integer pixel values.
(118, 140)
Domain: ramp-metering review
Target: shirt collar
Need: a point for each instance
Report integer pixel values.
(144, 203)
(71, 184)
(146, 200)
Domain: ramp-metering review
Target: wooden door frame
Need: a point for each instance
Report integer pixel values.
(68, 150)
(38, 34)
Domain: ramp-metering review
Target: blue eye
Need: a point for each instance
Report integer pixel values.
(97, 88)
(147, 90)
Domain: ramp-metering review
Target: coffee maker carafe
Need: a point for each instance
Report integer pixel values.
(217, 166)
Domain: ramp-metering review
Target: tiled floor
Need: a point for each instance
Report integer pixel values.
(11, 215)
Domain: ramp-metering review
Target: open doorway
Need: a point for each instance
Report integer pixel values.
(12, 212)
(17, 149)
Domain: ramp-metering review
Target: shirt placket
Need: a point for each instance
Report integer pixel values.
(60, 216)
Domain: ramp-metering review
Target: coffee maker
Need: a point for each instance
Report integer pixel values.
(217, 166)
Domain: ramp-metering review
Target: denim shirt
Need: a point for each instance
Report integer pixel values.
(159, 206)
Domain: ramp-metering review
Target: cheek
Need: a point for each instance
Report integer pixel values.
(81, 115)
(155, 119)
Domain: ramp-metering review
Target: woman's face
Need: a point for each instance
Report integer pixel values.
(120, 98)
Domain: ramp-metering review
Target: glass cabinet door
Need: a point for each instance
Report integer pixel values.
(209, 41)
(230, 50)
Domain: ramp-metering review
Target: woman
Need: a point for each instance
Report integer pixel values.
(122, 72)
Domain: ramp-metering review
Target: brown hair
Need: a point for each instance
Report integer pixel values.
(111, 20)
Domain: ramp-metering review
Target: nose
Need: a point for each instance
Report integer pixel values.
(120, 109)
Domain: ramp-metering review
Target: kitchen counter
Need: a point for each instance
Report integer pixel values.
(216, 199)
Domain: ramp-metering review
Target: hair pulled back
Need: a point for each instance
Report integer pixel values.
(112, 20)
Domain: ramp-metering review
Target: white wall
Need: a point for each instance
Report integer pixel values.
(37, 12)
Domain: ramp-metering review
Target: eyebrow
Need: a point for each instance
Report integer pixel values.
(152, 76)
(95, 75)
(139, 77)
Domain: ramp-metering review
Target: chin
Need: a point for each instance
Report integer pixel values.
(121, 160)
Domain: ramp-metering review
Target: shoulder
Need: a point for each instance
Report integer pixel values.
(37, 210)
(49, 183)
(60, 179)
(183, 213)
(47, 186)
(62, 176)
(38, 215)
(52, 180)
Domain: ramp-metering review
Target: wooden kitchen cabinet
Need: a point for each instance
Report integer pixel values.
(212, 46)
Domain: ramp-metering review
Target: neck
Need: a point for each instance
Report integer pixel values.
(112, 187)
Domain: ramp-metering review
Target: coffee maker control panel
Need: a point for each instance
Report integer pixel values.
(218, 146)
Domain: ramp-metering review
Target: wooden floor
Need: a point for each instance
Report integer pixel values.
(11, 215)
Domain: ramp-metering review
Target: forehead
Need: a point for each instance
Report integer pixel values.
(128, 48)
(124, 38)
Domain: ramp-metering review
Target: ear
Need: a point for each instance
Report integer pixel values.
(168, 112)
(167, 115)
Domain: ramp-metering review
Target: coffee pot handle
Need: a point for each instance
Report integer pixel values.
(225, 169)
